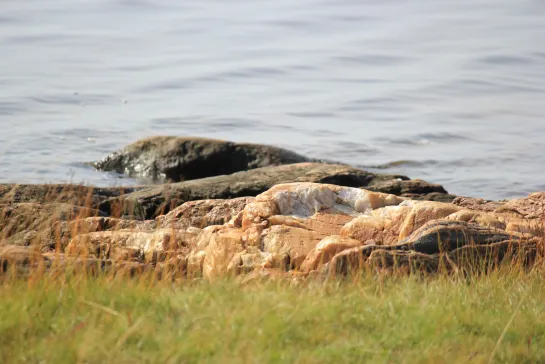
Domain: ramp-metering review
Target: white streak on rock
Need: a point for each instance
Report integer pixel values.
(305, 201)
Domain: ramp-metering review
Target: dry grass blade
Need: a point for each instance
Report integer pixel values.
(507, 325)
(128, 333)
(103, 308)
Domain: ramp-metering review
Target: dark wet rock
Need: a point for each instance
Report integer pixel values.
(175, 159)
(470, 258)
(477, 257)
(445, 235)
(440, 236)
(451, 243)
(409, 188)
(433, 196)
(159, 200)
(410, 261)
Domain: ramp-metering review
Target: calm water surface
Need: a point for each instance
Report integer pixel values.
(455, 88)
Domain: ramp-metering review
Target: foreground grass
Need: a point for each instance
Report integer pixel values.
(397, 320)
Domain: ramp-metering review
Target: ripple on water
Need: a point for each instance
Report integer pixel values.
(199, 123)
(377, 60)
(10, 108)
(427, 138)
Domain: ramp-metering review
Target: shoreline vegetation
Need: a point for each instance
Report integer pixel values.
(242, 252)
(378, 318)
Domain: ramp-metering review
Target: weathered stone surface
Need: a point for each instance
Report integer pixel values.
(24, 261)
(281, 226)
(175, 159)
(43, 225)
(159, 200)
(304, 200)
(252, 258)
(390, 224)
(476, 204)
(415, 189)
(531, 207)
(195, 264)
(132, 245)
(292, 241)
(223, 246)
(43, 214)
(203, 213)
(16, 254)
(292, 219)
(435, 239)
(55, 233)
(303, 227)
(444, 235)
(77, 195)
(479, 217)
(31, 216)
(410, 261)
(482, 257)
(469, 258)
(326, 249)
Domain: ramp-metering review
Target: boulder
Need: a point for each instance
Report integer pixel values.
(175, 159)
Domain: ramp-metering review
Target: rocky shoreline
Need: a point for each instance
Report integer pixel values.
(210, 208)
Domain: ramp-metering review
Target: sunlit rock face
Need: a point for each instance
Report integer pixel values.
(310, 228)
(312, 223)
(203, 213)
(307, 199)
(287, 222)
(389, 224)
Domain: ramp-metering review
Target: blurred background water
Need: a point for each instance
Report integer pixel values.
(449, 91)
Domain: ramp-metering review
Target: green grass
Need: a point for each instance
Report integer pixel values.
(376, 319)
